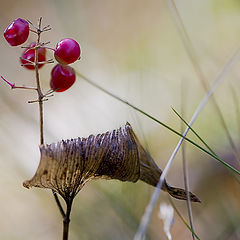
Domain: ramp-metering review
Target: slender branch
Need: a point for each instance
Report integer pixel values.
(32, 31)
(40, 95)
(13, 86)
(59, 204)
(24, 87)
(66, 219)
(40, 103)
(37, 101)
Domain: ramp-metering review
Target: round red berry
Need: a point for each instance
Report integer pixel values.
(17, 32)
(29, 54)
(62, 78)
(67, 51)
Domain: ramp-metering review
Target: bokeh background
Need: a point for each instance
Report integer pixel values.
(133, 49)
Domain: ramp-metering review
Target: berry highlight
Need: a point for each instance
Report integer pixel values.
(67, 51)
(62, 78)
(17, 32)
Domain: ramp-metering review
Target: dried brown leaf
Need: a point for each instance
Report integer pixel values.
(67, 165)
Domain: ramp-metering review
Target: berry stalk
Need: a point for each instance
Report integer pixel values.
(66, 216)
(39, 91)
(62, 77)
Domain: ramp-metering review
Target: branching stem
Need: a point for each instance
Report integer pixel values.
(66, 217)
(40, 94)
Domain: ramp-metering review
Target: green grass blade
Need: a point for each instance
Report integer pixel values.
(187, 43)
(197, 135)
(207, 146)
(158, 121)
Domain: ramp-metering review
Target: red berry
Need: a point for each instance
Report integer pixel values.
(29, 54)
(62, 78)
(17, 32)
(67, 51)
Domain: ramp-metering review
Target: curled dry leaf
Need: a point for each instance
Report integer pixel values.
(67, 165)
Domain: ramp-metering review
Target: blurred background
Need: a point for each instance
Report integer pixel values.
(133, 49)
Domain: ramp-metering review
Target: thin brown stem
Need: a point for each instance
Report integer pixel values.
(66, 219)
(40, 95)
(40, 102)
(32, 31)
(37, 101)
(59, 204)
(24, 87)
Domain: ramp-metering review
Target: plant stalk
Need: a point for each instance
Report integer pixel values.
(40, 94)
(66, 219)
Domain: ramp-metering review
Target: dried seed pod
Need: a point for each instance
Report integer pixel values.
(67, 165)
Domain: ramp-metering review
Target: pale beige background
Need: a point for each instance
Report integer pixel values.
(131, 48)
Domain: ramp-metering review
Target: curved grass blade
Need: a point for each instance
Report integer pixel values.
(207, 146)
(158, 121)
(193, 57)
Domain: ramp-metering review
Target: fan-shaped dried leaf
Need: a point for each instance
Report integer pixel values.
(67, 165)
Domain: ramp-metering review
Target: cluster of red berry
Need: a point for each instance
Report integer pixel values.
(66, 52)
